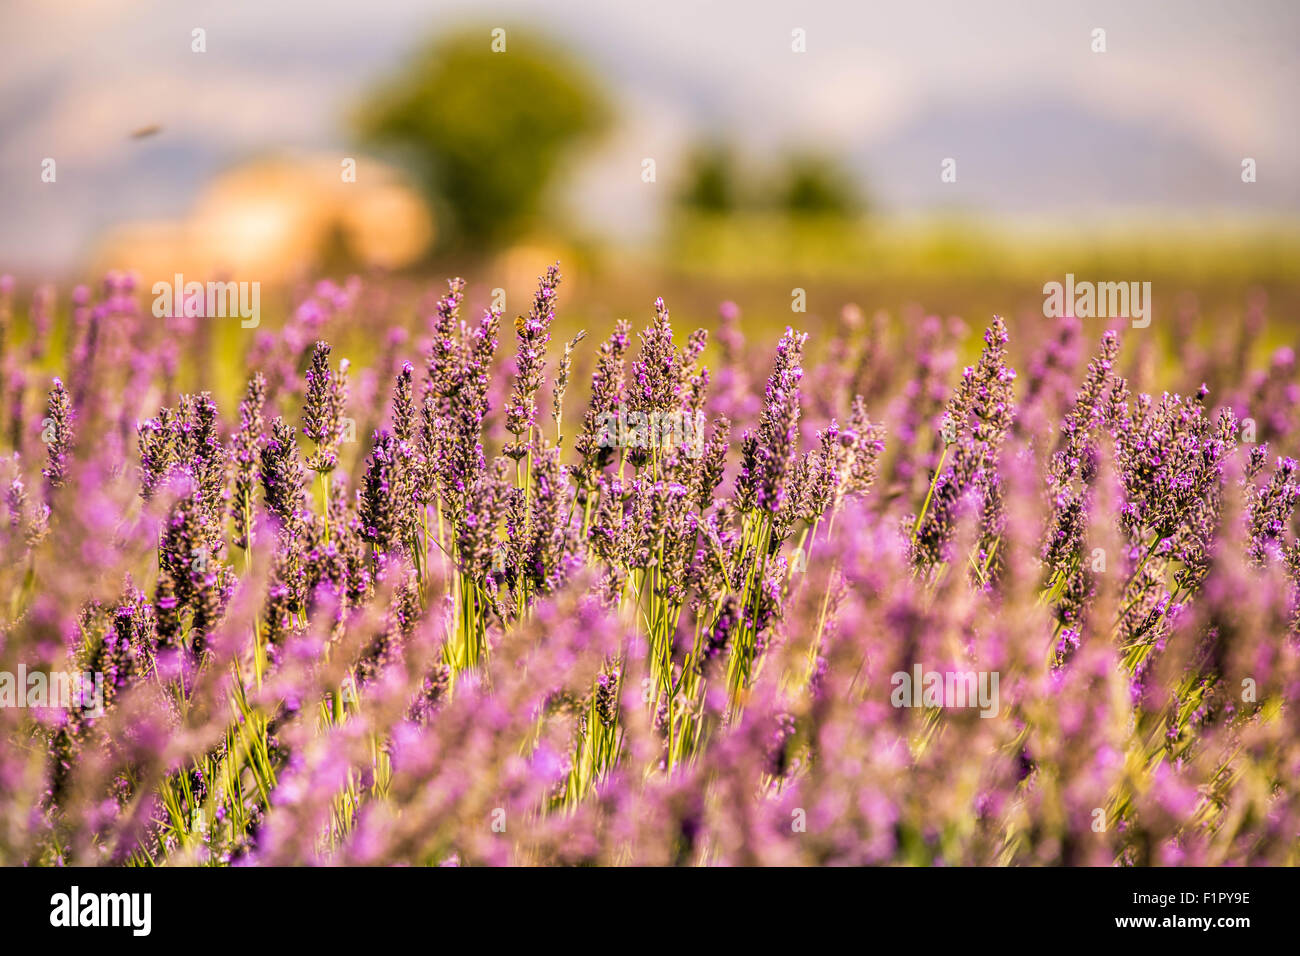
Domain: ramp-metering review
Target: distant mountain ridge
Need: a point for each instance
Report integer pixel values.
(1052, 154)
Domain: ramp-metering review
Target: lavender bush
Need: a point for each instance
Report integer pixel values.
(472, 632)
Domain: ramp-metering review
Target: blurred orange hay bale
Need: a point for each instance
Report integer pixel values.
(273, 219)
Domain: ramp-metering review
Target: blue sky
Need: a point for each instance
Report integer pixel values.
(1041, 127)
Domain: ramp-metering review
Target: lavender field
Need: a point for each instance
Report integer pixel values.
(656, 597)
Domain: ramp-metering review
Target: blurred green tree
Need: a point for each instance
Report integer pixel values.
(817, 185)
(711, 184)
(802, 185)
(485, 131)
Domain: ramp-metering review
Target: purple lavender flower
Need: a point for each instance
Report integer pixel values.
(377, 509)
(606, 400)
(404, 405)
(446, 359)
(282, 474)
(767, 455)
(247, 446)
(57, 433)
(533, 332)
(1271, 511)
(322, 413)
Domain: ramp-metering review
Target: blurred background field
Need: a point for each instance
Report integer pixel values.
(671, 151)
